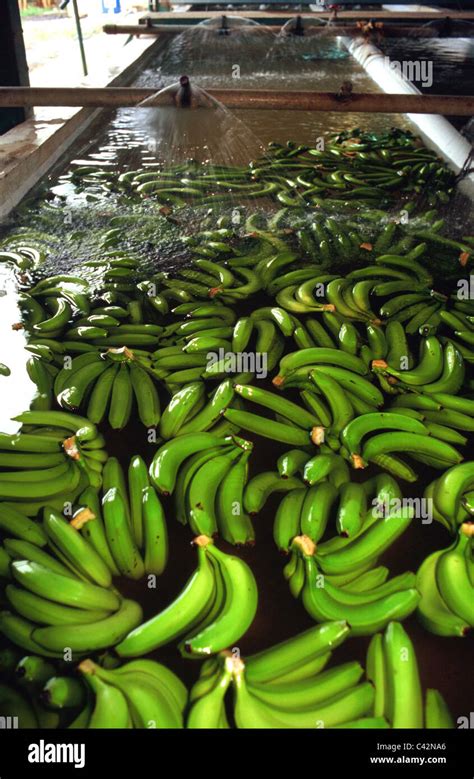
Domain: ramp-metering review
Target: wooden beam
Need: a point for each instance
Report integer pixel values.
(369, 102)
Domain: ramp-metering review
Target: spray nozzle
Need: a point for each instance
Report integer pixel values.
(298, 29)
(224, 29)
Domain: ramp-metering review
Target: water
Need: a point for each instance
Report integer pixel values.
(247, 58)
(130, 139)
(451, 61)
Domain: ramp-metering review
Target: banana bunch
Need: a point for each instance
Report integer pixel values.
(139, 694)
(110, 380)
(338, 578)
(445, 581)
(293, 425)
(102, 621)
(210, 329)
(284, 686)
(50, 304)
(404, 283)
(50, 460)
(451, 496)
(23, 258)
(207, 474)
(350, 296)
(407, 433)
(127, 527)
(174, 455)
(215, 608)
(190, 411)
(26, 675)
(206, 279)
(118, 268)
(42, 374)
(354, 169)
(14, 703)
(309, 510)
(209, 493)
(62, 597)
(315, 371)
(392, 668)
(457, 321)
(66, 588)
(345, 423)
(58, 313)
(440, 369)
(334, 386)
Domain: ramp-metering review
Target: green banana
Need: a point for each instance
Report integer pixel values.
(369, 544)
(61, 589)
(234, 525)
(137, 482)
(404, 704)
(155, 533)
(285, 658)
(240, 605)
(188, 607)
(119, 537)
(110, 708)
(437, 714)
(76, 548)
(170, 456)
(93, 636)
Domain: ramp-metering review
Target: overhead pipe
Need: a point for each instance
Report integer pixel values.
(363, 102)
(331, 31)
(144, 29)
(199, 16)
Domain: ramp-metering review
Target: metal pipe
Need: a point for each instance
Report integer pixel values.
(330, 31)
(284, 15)
(144, 29)
(79, 36)
(368, 102)
(80, 39)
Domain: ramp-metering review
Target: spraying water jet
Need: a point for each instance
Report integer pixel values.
(294, 27)
(181, 94)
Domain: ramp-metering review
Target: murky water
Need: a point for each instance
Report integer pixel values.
(129, 139)
(253, 60)
(448, 67)
(248, 58)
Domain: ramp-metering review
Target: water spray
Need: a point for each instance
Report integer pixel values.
(181, 94)
(293, 27)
